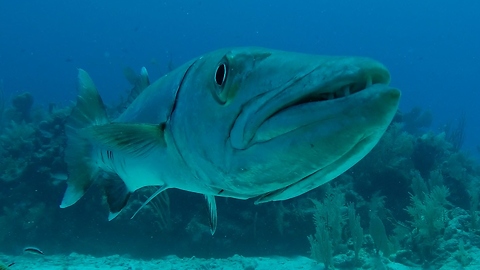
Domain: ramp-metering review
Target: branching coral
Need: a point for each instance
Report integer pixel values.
(329, 224)
(320, 245)
(430, 214)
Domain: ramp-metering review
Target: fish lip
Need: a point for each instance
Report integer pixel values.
(317, 113)
(243, 132)
(334, 88)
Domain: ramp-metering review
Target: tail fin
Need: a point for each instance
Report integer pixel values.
(88, 111)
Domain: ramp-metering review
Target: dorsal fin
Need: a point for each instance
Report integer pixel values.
(139, 82)
(130, 75)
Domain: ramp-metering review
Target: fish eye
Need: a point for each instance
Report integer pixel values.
(221, 74)
(223, 90)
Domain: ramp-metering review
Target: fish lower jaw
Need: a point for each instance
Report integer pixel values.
(312, 100)
(316, 116)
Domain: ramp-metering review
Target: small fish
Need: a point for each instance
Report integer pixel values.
(33, 250)
(237, 122)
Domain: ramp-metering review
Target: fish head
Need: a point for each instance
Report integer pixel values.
(259, 122)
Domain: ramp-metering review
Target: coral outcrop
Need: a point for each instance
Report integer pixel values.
(413, 201)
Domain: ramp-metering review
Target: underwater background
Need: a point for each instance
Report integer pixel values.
(414, 197)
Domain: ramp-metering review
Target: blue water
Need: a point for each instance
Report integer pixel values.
(431, 47)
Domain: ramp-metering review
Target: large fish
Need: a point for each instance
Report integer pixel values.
(239, 122)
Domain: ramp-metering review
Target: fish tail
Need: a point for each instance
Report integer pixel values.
(89, 111)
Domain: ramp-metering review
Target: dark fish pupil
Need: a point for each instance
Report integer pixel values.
(221, 74)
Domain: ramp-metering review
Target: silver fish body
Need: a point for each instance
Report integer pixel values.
(238, 122)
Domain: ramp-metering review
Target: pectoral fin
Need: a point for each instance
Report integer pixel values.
(134, 139)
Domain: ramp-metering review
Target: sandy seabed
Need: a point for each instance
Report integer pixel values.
(76, 261)
(85, 262)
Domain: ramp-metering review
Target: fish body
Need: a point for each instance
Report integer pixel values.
(237, 122)
(33, 250)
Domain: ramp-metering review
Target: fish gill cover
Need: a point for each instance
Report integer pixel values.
(412, 200)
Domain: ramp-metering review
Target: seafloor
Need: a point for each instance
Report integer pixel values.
(76, 261)
(84, 262)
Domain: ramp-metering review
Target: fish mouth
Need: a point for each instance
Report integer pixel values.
(290, 109)
(336, 91)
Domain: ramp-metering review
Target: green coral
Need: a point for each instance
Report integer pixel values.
(430, 214)
(321, 248)
(329, 224)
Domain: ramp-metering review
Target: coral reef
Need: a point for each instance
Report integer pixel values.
(413, 201)
(424, 215)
